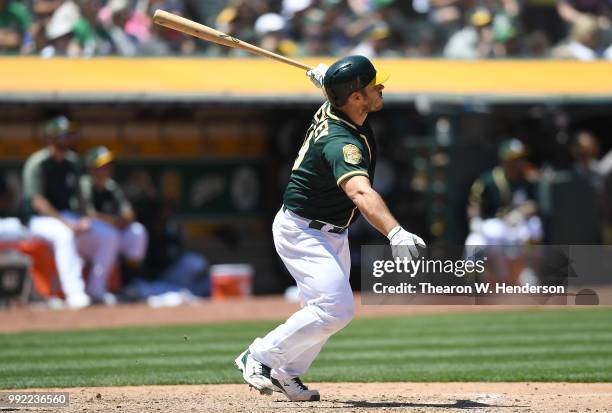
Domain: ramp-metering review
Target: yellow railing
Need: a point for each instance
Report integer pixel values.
(239, 77)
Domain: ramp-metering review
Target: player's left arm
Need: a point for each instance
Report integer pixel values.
(126, 212)
(125, 215)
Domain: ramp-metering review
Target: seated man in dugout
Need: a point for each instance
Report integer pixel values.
(503, 212)
(105, 201)
(54, 211)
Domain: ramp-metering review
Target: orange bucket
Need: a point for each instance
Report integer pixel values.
(231, 280)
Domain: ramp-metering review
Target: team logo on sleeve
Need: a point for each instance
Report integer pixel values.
(352, 154)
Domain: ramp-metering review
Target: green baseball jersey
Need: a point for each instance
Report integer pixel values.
(56, 181)
(109, 200)
(334, 150)
(497, 196)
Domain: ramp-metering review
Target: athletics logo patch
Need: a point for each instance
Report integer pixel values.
(352, 154)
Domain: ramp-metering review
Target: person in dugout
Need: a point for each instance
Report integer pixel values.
(55, 212)
(503, 214)
(105, 201)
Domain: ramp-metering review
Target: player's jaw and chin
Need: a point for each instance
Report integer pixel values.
(374, 98)
(62, 143)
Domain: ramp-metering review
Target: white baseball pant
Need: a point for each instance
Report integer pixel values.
(100, 245)
(320, 264)
(133, 242)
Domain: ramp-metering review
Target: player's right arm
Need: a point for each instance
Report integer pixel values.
(348, 160)
(42, 206)
(375, 211)
(370, 203)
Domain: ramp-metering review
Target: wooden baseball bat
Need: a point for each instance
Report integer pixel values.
(172, 21)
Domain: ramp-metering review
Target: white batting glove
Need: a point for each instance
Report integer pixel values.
(317, 74)
(404, 243)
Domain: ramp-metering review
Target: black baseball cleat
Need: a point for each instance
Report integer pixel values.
(254, 373)
(295, 390)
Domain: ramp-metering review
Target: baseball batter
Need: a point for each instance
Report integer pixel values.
(329, 186)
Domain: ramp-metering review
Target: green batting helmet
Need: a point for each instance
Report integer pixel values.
(348, 75)
(98, 157)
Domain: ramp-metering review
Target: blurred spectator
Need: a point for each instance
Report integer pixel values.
(584, 149)
(507, 42)
(376, 43)
(537, 44)
(114, 17)
(444, 16)
(54, 207)
(542, 17)
(389, 13)
(474, 41)
(42, 11)
(178, 42)
(294, 11)
(571, 10)
(88, 31)
(583, 41)
(59, 32)
(238, 20)
(269, 27)
(589, 173)
(104, 200)
(15, 22)
(315, 35)
(577, 192)
(607, 54)
(45, 7)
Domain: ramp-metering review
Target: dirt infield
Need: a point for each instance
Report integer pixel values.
(352, 397)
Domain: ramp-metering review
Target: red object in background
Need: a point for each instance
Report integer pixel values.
(44, 272)
(231, 280)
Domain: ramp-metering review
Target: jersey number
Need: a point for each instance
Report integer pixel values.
(315, 132)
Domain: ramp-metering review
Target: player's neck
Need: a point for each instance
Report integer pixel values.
(356, 115)
(99, 184)
(56, 153)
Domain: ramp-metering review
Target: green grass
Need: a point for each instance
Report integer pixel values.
(547, 345)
